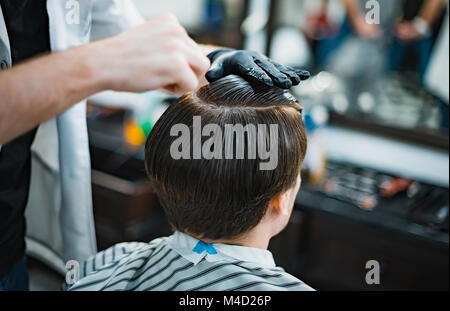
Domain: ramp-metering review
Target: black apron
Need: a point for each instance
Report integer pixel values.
(28, 30)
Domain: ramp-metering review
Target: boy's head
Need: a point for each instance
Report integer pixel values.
(216, 182)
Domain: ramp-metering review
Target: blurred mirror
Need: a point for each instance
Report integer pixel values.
(377, 65)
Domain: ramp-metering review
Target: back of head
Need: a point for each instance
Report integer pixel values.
(217, 187)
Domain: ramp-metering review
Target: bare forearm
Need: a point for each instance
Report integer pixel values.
(353, 9)
(430, 10)
(157, 54)
(38, 90)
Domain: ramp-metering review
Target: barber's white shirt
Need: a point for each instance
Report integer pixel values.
(60, 225)
(183, 263)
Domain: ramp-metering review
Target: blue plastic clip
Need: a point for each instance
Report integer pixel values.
(202, 246)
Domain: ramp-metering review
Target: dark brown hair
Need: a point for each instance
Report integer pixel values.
(222, 198)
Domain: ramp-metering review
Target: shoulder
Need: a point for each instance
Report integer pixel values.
(102, 265)
(118, 252)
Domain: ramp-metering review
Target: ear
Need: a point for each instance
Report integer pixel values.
(280, 204)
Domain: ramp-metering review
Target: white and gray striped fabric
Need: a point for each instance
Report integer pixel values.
(176, 263)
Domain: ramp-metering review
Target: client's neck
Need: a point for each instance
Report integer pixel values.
(258, 237)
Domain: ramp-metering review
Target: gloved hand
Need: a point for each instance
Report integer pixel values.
(253, 66)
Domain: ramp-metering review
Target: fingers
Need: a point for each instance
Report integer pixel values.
(184, 44)
(303, 74)
(217, 69)
(296, 75)
(183, 68)
(281, 79)
(255, 67)
(215, 73)
(193, 60)
(248, 69)
(188, 62)
(198, 62)
(255, 73)
(290, 72)
(184, 80)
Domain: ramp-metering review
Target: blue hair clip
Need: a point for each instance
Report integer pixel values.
(202, 246)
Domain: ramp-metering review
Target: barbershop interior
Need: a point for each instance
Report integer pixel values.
(375, 179)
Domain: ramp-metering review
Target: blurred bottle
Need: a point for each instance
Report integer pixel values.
(315, 163)
(143, 116)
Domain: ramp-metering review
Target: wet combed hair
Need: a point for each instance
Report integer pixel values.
(217, 199)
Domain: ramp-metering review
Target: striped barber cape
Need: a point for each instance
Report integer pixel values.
(183, 263)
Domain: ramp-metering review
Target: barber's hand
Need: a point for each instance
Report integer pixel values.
(253, 66)
(407, 31)
(158, 54)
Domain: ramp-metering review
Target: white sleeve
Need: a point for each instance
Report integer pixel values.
(117, 99)
(111, 17)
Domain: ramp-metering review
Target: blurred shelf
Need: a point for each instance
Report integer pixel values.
(425, 137)
(330, 241)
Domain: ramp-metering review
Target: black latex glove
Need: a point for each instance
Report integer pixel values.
(253, 66)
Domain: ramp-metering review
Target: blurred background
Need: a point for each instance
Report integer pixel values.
(376, 177)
